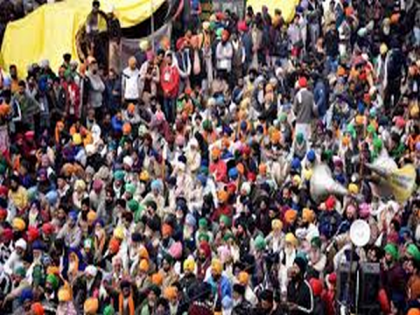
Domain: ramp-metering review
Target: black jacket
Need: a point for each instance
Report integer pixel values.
(300, 293)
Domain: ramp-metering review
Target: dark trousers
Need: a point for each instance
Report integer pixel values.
(169, 108)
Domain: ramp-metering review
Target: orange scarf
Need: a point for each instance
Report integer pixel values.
(130, 304)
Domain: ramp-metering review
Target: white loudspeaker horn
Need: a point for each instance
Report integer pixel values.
(322, 184)
(398, 182)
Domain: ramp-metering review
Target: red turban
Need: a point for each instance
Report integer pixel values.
(205, 247)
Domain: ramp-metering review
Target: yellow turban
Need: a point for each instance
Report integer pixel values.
(119, 233)
(297, 180)
(383, 49)
(189, 265)
(216, 266)
(290, 238)
(19, 224)
(243, 278)
(276, 224)
(91, 306)
(79, 184)
(307, 173)
(144, 265)
(91, 217)
(77, 139)
(144, 176)
(64, 294)
(353, 189)
(144, 45)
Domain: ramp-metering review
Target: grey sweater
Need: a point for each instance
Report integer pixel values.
(303, 106)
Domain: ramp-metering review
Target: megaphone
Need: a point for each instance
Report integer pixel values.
(398, 182)
(322, 184)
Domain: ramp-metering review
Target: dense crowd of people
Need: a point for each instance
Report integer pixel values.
(182, 184)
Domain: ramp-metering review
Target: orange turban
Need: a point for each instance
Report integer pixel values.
(144, 265)
(360, 119)
(131, 108)
(346, 141)
(243, 278)
(223, 195)
(395, 18)
(290, 216)
(114, 245)
(308, 216)
(126, 129)
(53, 270)
(170, 293)
(157, 279)
(91, 306)
(4, 109)
(275, 137)
(37, 309)
(143, 253)
(215, 153)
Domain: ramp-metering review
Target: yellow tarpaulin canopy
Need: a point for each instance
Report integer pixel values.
(287, 7)
(50, 31)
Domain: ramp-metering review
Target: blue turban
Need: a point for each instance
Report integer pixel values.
(190, 220)
(311, 156)
(73, 215)
(295, 164)
(202, 178)
(52, 197)
(361, 108)
(37, 245)
(233, 173)
(244, 125)
(157, 184)
(26, 295)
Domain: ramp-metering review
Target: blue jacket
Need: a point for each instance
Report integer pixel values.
(320, 97)
(225, 286)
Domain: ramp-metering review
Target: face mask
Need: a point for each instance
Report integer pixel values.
(202, 258)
